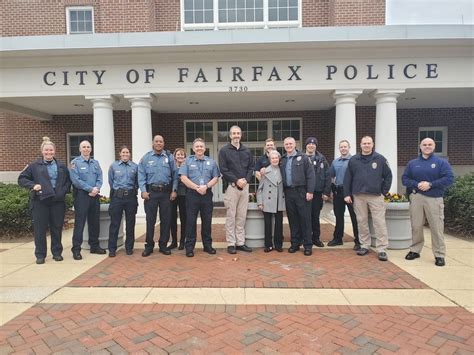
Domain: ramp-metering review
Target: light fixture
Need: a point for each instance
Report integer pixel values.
(79, 105)
(410, 98)
(194, 102)
(289, 100)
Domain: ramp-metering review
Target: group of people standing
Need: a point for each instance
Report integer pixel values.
(297, 182)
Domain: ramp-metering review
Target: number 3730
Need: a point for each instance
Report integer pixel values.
(238, 88)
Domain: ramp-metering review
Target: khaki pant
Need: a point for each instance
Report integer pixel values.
(432, 208)
(376, 204)
(236, 202)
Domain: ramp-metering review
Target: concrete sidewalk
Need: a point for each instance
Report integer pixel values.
(331, 277)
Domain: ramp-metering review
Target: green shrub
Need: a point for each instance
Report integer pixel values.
(459, 206)
(14, 212)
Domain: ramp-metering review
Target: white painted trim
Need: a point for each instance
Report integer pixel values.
(78, 8)
(444, 130)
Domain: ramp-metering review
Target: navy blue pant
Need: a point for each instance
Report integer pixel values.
(316, 207)
(161, 200)
(117, 206)
(339, 206)
(86, 208)
(181, 203)
(48, 213)
(277, 237)
(197, 203)
(298, 211)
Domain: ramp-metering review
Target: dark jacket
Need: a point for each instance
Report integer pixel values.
(37, 173)
(235, 164)
(367, 174)
(321, 170)
(301, 170)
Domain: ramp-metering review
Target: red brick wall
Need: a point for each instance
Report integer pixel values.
(356, 12)
(315, 13)
(167, 13)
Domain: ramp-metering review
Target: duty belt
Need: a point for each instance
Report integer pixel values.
(123, 193)
(159, 187)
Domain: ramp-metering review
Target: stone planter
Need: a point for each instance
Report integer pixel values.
(254, 227)
(104, 230)
(397, 217)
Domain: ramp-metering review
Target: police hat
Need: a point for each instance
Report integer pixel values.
(311, 140)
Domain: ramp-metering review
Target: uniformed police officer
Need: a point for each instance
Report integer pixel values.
(199, 173)
(86, 176)
(322, 187)
(298, 181)
(158, 183)
(264, 160)
(123, 183)
(48, 180)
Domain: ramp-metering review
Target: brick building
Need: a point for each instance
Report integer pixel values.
(119, 71)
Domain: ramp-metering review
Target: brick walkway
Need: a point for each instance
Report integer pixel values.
(200, 329)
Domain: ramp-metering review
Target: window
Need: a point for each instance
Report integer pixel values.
(439, 135)
(227, 14)
(80, 20)
(73, 141)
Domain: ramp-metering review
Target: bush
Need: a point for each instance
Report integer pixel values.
(14, 211)
(459, 206)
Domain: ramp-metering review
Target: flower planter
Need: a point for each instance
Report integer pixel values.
(254, 227)
(104, 230)
(397, 217)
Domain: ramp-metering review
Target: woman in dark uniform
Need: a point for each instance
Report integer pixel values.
(180, 202)
(123, 183)
(48, 180)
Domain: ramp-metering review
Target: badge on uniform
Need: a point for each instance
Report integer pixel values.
(374, 165)
(208, 163)
(166, 160)
(314, 163)
(433, 166)
(298, 159)
(322, 165)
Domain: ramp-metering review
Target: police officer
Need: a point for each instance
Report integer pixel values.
(337, 172)
(124, 186)
(179, 203)
(322, 187)
(367, 180)
(264, 160)
(48, 180)
(298, 182)
(158, 183)
(199, 173)
(86, 176)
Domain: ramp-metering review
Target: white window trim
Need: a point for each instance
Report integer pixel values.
(444, 129)
(216, 25)
(68, 143)
(76, 8)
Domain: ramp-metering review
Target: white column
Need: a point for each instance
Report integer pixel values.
(141, 135)
(386, 129)
(345, 118)
(104, 140)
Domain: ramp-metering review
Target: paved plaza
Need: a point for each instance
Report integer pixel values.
(331, 302)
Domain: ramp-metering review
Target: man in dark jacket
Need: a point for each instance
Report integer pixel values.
(322, 187)
(368, 179)
(298, 181)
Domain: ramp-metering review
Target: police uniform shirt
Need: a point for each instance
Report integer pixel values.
(123, 175)
(52, 171)
(199, 171)
(157, 168)
(86, 174)
(288, 170)
(338, 169)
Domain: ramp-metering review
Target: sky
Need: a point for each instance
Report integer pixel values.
(410, 12)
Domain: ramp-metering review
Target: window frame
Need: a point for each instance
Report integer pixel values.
(68, 142)
(216, 25)
(78, 8)
(444, 130)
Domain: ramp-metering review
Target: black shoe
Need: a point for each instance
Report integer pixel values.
(173, 245)
(439, 261)
(189, 254)
(77, 256)
(40, 261)
(334, 242)
(165, 251)
(318, 243)
(181, 246)
(58, 258)
(356, 247)
(412, 255)
(308, 252)
(268, 249)
(129, 251)
(209, 250)
(147, 252)
(112, 254)
(362, 251)
(244, 248)
(231, 249)
(383, 256)
(98, 251)
(293, 249)
(279, 249)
